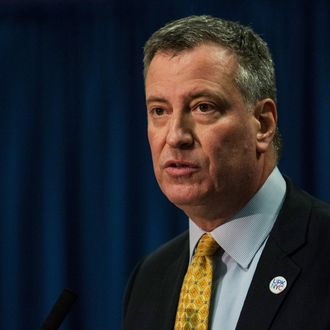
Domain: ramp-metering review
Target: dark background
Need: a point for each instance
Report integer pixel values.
(79, 205)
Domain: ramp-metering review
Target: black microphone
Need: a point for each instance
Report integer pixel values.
(59, 310)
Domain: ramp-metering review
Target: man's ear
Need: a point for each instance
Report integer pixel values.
(266, 116)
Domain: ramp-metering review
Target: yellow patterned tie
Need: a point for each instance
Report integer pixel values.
(195, 296)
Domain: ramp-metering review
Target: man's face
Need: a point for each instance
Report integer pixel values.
(202, 137)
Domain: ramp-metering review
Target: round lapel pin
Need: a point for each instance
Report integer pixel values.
(278, 284)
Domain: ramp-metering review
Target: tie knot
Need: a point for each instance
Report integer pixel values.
(206, 246)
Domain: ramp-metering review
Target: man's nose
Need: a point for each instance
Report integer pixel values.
(180, 134)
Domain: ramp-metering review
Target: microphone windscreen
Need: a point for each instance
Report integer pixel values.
(60, 310)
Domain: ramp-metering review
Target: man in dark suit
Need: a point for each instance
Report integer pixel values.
(212, 129)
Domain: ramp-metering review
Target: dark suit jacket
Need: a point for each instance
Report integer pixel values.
(298, 249)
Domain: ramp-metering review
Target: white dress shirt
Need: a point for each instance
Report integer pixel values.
(242, 239)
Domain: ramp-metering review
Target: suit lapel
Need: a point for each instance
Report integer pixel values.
(171, 287)
(261, 305)
(287, 236)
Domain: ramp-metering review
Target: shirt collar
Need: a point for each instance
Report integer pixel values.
(242, 235)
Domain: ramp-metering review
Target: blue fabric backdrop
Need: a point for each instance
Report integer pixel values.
(79, 205)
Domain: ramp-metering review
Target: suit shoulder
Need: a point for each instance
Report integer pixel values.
(150, 271)
(299, 199)
(169, 251)
(320, 220)
(320, 210)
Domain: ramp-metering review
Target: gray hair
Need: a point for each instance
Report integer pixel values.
(255, 77)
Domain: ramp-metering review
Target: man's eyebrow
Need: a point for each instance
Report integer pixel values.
(159, 99)
(190, 97)
(198, 94)
(218, 98)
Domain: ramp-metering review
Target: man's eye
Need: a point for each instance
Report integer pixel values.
(157, 112)
(204, 107)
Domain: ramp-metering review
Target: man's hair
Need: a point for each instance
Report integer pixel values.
(255, 77)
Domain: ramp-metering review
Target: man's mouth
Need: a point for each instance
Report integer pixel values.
(179, 165)
(180, 168)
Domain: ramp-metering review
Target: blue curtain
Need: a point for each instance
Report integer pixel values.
(79, 205)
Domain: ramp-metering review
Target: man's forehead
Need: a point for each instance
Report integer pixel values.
(210, 48)
(208, 56)
(205, 64)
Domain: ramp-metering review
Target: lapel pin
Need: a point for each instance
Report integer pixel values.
(278, 284)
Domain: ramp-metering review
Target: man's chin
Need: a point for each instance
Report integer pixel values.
(184, 194)
(183, 199)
